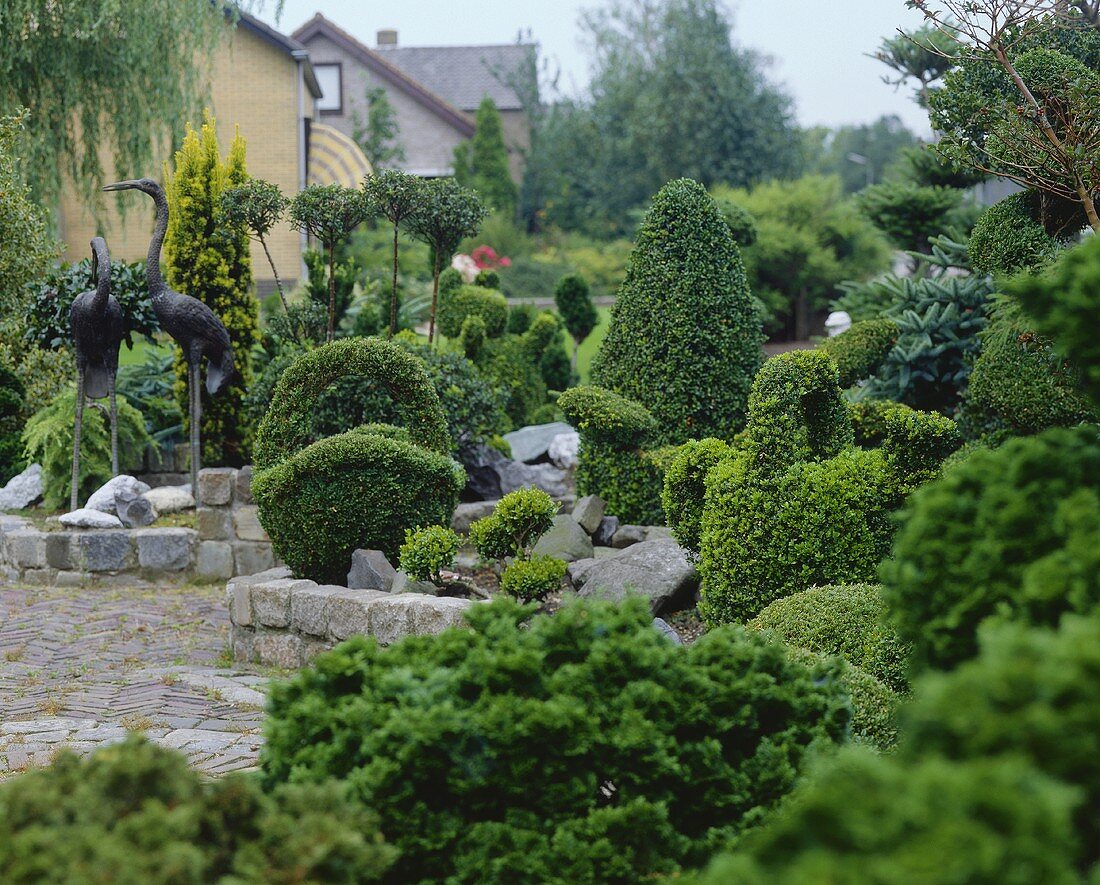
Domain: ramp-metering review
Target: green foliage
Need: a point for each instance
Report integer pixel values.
(43, 373)
(467, 301)
(344, 275)
(860, 350)
(924, 55)
(1009, 532)
(482, 162)
(1007, 238)
(48, 440)
(379, 135)
(393, 194)
(513, 365)
(321, 501)
(916, 444)
(471, 339)
(555, 366)
(488, 279)
(862, 817)
(532, 579)
(207, 258)
(12, 402)
(330, 212)
(46, 317)
(869, 421)
(847, 620)
(684, 336)
(147, 386)
(519, 519)
(741, 223)
(134, 813)
(809, 239)
(685, 488)
(427, 551)
(256, 205)
(612, 461)
(652, 754)
(574, 303)
(909, 214)
(879, 144)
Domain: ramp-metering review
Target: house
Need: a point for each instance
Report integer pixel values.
(263, 83)
(434, 91)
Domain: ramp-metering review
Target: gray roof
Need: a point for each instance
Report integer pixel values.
(463, 75)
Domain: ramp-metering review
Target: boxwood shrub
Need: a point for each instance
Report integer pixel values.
(466, 301)
(860, 350)
(582, 747)
(685, 489)
(1007, 238)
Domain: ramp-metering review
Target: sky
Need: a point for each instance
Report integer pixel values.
(819, 58)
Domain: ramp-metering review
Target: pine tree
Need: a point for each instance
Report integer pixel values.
(482, 163)
(207, 258)
(685, 338)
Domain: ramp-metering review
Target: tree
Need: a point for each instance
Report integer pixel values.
(447, 214)
(378, 134)
(924, 55)
(874, 146)
(329, 213)
(909, 214)
(256, 206)
(105, 78)
(482, 162)
(577, 311)
(208, 258)
(395, 196)
(685, 337)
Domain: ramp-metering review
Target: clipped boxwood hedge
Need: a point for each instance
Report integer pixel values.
(685, 488)
(860, 350)
(478, 301)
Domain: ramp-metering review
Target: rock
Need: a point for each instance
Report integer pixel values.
(490, 475)
(22, 490)
(588, 512)
(516, 475)
(626, 535)
(86, 518)
(242, 491)
(27, 548)
(370, 570)
(658, 570)
(214, 560)
(531, 444)
(271, 601)
(606, 531)
(134, 511)
(251, 557)
(466, 515)
(246, 524)
(402, 583)
(563, 450)
(170, 499)
(395, 617)
(349, 612)
(565, 540)
(104, 551)
(165, 549)
(665, 629)
(215, 523)
(103, 498)
(604, 552)
(309, 607)
(578, 569)
(216, 486)
(658, 533)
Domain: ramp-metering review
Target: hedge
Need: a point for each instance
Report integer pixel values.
(860, 350)
(466, 301)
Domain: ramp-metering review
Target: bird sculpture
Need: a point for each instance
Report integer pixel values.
(96, 322)
(193, 325)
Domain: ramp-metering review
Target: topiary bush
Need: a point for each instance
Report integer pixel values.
(519, 519)
(685, 337)
(134, 812)
(12, 402)
(916, 444)
(533, 579)
(868, 418)
(1007, 238)
(321, 501)
(427, 551)
(466, 301)
(1008, 533)
(612, 461)
(859, 351)
(685, 488)
(649, 754)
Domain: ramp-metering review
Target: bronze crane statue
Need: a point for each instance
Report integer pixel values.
(96, 322)
(193, 325)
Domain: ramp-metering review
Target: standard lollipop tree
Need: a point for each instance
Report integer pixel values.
(193, 325)
(98, 330)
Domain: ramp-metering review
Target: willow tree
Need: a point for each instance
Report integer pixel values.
(104, 78)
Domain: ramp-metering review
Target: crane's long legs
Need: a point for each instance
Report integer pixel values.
(114, 423)
(194, 370)
(73, 491)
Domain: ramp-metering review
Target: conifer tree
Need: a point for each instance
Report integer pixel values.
(208, 258)
(482, 163)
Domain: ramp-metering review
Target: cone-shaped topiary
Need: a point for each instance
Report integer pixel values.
(684, 337)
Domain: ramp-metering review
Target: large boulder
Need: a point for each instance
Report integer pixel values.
(170, 499)
(658, 570)
(87, 518)
(563, 450)
(565, 540)
(22, 490)
(490, 475)
(133, 510)
(588, 512)
(531, 444)
(103, 498)
(370, 570)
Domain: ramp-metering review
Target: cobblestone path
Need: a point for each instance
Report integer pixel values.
(82, 667)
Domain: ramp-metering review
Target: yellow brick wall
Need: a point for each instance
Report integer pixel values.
(254, 86)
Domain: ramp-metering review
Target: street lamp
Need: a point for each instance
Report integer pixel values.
(861, 160)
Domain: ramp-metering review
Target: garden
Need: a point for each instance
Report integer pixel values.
(738, 524)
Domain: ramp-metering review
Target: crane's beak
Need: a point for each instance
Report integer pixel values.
(122, 185)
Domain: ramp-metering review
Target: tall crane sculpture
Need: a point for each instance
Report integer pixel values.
(191, 323)
(96, 322)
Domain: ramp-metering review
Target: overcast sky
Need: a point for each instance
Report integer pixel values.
(818, 56)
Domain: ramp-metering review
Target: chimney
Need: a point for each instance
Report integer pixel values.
(387, 37)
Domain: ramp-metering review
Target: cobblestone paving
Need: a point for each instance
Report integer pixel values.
(83, 667)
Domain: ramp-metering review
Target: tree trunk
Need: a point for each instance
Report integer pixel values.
(576, 350)
(275, 273)
(331, 294)
(435, 301)
(393, 290)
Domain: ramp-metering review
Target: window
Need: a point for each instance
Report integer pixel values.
(329, 79)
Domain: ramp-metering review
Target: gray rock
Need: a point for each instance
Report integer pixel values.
(665, 629)
(26, 548)
(170, 499)
(242, 491)
(564, 449)
(309, 607)
(490, 475)
(166, 549)
(250, 557)
(402, 583)
(246, 524)
(565, 540)
(86, 518)
(216, 486)
(215, 523)
(104, 551)
(604, 552)
(588, 512)
(370, 570)
(59, 550)
(214, 560)
(658, 570)
(395, 617)
(134, 511)
(277, 648)
(466, 515)
(103, 498)
(349, 612)
(517, 475)
(658, 533)
(578, 569)
(626, 535)
(606, 531)
(311, 647)
(22, 490)
(531, 443)
(271, 601)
